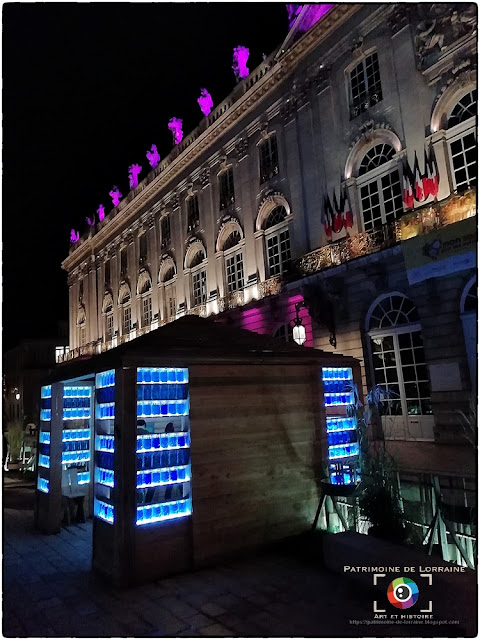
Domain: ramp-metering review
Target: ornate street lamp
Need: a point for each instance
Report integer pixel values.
(299, 333)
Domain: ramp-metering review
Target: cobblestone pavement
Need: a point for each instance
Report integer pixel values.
(49, 591)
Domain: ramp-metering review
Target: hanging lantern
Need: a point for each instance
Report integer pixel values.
(299, 333)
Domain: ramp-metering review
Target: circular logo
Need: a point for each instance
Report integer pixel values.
(402, 593)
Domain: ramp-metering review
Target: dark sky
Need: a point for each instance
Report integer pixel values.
(87, 88)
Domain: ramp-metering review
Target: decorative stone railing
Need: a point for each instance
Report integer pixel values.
(270, 287)
(231, 301)
(199, 310)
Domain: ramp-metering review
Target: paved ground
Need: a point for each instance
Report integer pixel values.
(49, 591)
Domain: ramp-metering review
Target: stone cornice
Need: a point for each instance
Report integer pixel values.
(239, 109)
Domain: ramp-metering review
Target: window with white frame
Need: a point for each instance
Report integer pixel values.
(277, 241)
(380, 191)
(83, 335)
(233, 262)
(165, 231)
(268, 158)
(146, 310)
(109, 326)
(365, 85)
(126, 319)
(142, 248)
(398, 357)
(284, 332)
(170, 301)
(199, 287)
(462, 141)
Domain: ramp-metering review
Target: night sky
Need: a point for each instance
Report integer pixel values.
(87, 88)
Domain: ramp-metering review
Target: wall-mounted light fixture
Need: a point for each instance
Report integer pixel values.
(299, 333)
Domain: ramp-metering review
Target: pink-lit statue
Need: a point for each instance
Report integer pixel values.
(134, 170)
(74, 236)
(175, 126)
(312, 14)
(205, 102)
(240, 57)
(115, 195)
(90, 221)
(153, 156)
(101, 212)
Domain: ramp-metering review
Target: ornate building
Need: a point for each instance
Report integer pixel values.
(339, 176)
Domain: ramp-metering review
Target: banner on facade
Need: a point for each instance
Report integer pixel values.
(441, 252)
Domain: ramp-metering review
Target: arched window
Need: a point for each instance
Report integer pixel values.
(125, 304)
(277, 241)
(145, 292)
(468, 314)
(379, 187)
(195, 260)
(462, 141)
(284, 332)
(107, 309)
(167, 280)
(376, 156)
(399, 368)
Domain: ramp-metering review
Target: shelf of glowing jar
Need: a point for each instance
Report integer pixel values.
(106, 411)
(341, 424)
(164, 375)
(337, 373)
(44, 461)
(44, 437)
(165, 511)
(104, 511)
(163, 441)
(46, 392)
(340, 451)
(105, 379)
(163, 476)
(341, 478)
(75, 435)
(338, 399)
(71, 457)
(161, 408)
(105, 477)
(104, 443)
(43, 485)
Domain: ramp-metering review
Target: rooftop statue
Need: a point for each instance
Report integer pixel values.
(74, 236)
(240, 57)
(90, 221)
(101, 212)
(175, 126)
(115, 195)
(153, 156)
(134, 170)
(293, 11)
(205, 102)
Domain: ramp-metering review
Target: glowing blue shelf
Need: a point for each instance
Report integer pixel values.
(104, 443)
(46, 392)
(165, 511)
(149, 408)
(104, 511)
(75, 413)
(68, 457)
(45, 415)
(106, 411)
(44, 461)
(44, 437)
(146, 375)
(83, 477)
(77, 392)
(43, 485)
(163, 476)
(337, 373)
(75, 435)
(338, 451)
(104, 476)
(163, 441)
(105, 379)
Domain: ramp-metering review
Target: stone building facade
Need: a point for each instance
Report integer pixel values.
(234, 221)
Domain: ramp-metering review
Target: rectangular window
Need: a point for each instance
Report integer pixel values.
(123, 261)
(381, 201)
(193, 214)
(268, 159)
(227, 193)
(365, 85)
(170, 302)
(109, 327)
(107, 272)
(199, 280)
(127, 320)
(146, 311)
(278, 252)
(143, 248)
(165, 231)
(83, 335)
(464, 161)
(80, 290)
(234, 267)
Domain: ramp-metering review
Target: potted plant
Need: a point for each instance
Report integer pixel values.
(15, 435)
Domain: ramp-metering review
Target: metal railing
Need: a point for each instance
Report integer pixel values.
(231, 301)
